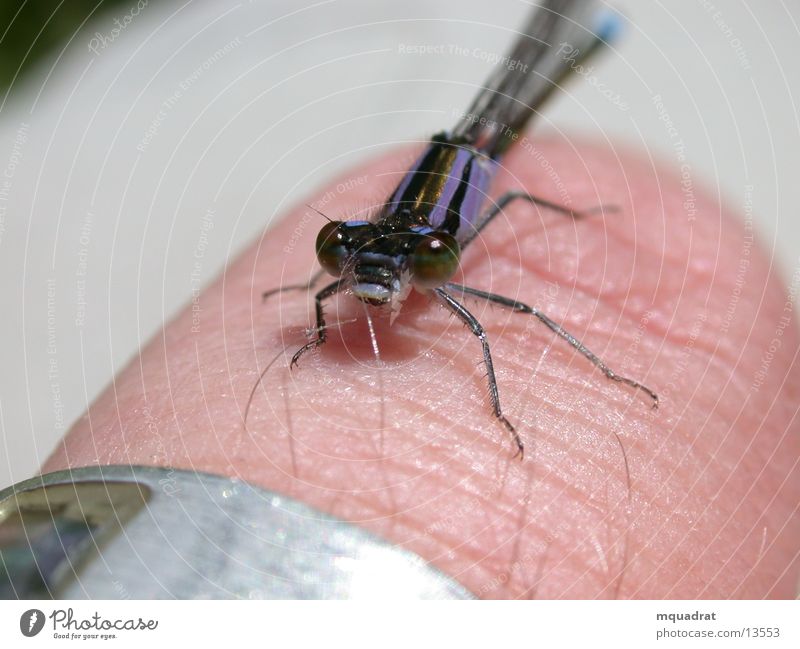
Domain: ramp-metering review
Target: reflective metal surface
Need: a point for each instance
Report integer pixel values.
(143, 532)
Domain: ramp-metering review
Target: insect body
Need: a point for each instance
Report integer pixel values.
(416, 238)
(418, 234)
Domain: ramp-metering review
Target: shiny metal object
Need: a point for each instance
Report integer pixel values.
(118, 532)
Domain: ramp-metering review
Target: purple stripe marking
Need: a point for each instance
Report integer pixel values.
(478, 181)
(481, 173)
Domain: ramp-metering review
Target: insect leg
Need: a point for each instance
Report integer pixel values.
(322, 335)
(519, 307)
(511, 196)
(476, 328)
(295, 287)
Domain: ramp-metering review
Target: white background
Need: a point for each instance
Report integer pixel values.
(436, 624)
(303, 91)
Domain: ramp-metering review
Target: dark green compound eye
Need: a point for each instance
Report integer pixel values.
(331, 251)
(434, 260)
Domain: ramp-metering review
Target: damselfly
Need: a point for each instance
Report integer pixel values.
(415, 239)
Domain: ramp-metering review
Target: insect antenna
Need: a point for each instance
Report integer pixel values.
(324, 216)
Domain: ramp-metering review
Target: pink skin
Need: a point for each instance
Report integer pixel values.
(679, 300)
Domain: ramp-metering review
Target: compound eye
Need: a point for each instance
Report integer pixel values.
(331, 251)
(434, 260)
